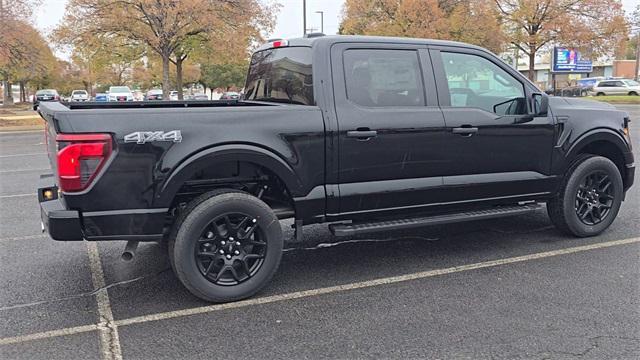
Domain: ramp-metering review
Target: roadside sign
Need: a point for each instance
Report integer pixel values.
(569, 60)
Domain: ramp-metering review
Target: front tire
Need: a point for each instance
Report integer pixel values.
(589, 198)
(227, 247)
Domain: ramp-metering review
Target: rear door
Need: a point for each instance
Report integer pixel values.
(390, 129)
(494, 148)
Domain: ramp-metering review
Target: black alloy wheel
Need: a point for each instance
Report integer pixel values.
(230, 249)
(594, 198)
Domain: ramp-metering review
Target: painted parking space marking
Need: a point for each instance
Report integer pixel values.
(371, 283)
(25, 237)
(109, 339)
(312, 292)
(48, 334)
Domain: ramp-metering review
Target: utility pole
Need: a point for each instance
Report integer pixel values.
(321, 20)
(304, 17)
(637, 67)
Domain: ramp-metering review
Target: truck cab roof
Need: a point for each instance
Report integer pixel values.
(316, 39)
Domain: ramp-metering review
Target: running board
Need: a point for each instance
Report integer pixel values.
(367, 227)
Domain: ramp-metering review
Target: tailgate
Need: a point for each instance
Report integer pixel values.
(50, 135)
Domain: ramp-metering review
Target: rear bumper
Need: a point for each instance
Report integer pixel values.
(71, 225)
(60, 223)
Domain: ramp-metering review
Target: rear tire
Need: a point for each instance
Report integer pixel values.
(219, 252)
(600, 94)
(589, 198)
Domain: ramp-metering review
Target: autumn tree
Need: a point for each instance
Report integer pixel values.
(462, 20)
(14, 19)
(167, 27)
(594, 26)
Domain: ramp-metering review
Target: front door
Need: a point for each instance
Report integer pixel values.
(391, 131)
(495, 148)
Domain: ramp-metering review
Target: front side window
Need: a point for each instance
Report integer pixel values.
(607, 84)
(379, 78)
(281, 75)
(477, 82)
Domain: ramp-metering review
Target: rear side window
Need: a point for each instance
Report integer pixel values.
(281, 75)
(377, 78)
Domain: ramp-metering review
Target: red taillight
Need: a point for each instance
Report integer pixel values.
(80, 158)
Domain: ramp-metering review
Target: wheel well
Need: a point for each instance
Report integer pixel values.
(610, 151)
(240, 175)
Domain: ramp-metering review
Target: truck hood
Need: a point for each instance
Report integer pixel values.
(580, 103)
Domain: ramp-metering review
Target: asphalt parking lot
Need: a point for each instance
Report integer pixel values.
(511, 288)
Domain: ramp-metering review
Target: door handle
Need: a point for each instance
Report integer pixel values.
(362, 134)
(465, 131)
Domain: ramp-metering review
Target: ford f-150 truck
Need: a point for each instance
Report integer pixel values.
(363, 133)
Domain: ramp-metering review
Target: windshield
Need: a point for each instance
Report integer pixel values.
(281, 75)
(46, 92)
(632, 83)
(79, 92)
(119, 89)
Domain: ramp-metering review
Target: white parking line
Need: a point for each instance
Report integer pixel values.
(29, 154)
(16, 195)
(317, 292)
(25, 237)
(109, 339)
(48, 334)
(370, 283)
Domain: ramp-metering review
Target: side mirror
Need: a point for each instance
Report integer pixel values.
(540, 104)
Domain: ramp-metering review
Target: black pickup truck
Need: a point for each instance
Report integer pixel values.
(364, 133)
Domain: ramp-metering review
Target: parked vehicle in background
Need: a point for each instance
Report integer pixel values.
(173, 95)
(79, 95)
(100, 97)
(45, 95)
(200, 97)
(138, 95)
(230, 95)
(616, 87)
(588, 83)
(364, 133)
(154, 94)
(120, 93)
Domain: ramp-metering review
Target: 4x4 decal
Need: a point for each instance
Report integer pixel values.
(142, 137)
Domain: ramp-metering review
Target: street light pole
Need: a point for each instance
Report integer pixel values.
(304, 17)
(321, 20)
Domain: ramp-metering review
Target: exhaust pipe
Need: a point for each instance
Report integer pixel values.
(130, 250)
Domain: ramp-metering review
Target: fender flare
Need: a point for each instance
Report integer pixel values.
(600, 134)
(229, 152)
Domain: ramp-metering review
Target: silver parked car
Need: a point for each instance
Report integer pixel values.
(616, 87)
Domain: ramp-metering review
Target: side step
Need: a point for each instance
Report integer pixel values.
(367, 227)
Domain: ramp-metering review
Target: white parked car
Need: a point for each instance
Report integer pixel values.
(173, 95)
(120, 93)
(79, 95)
(616, 87)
